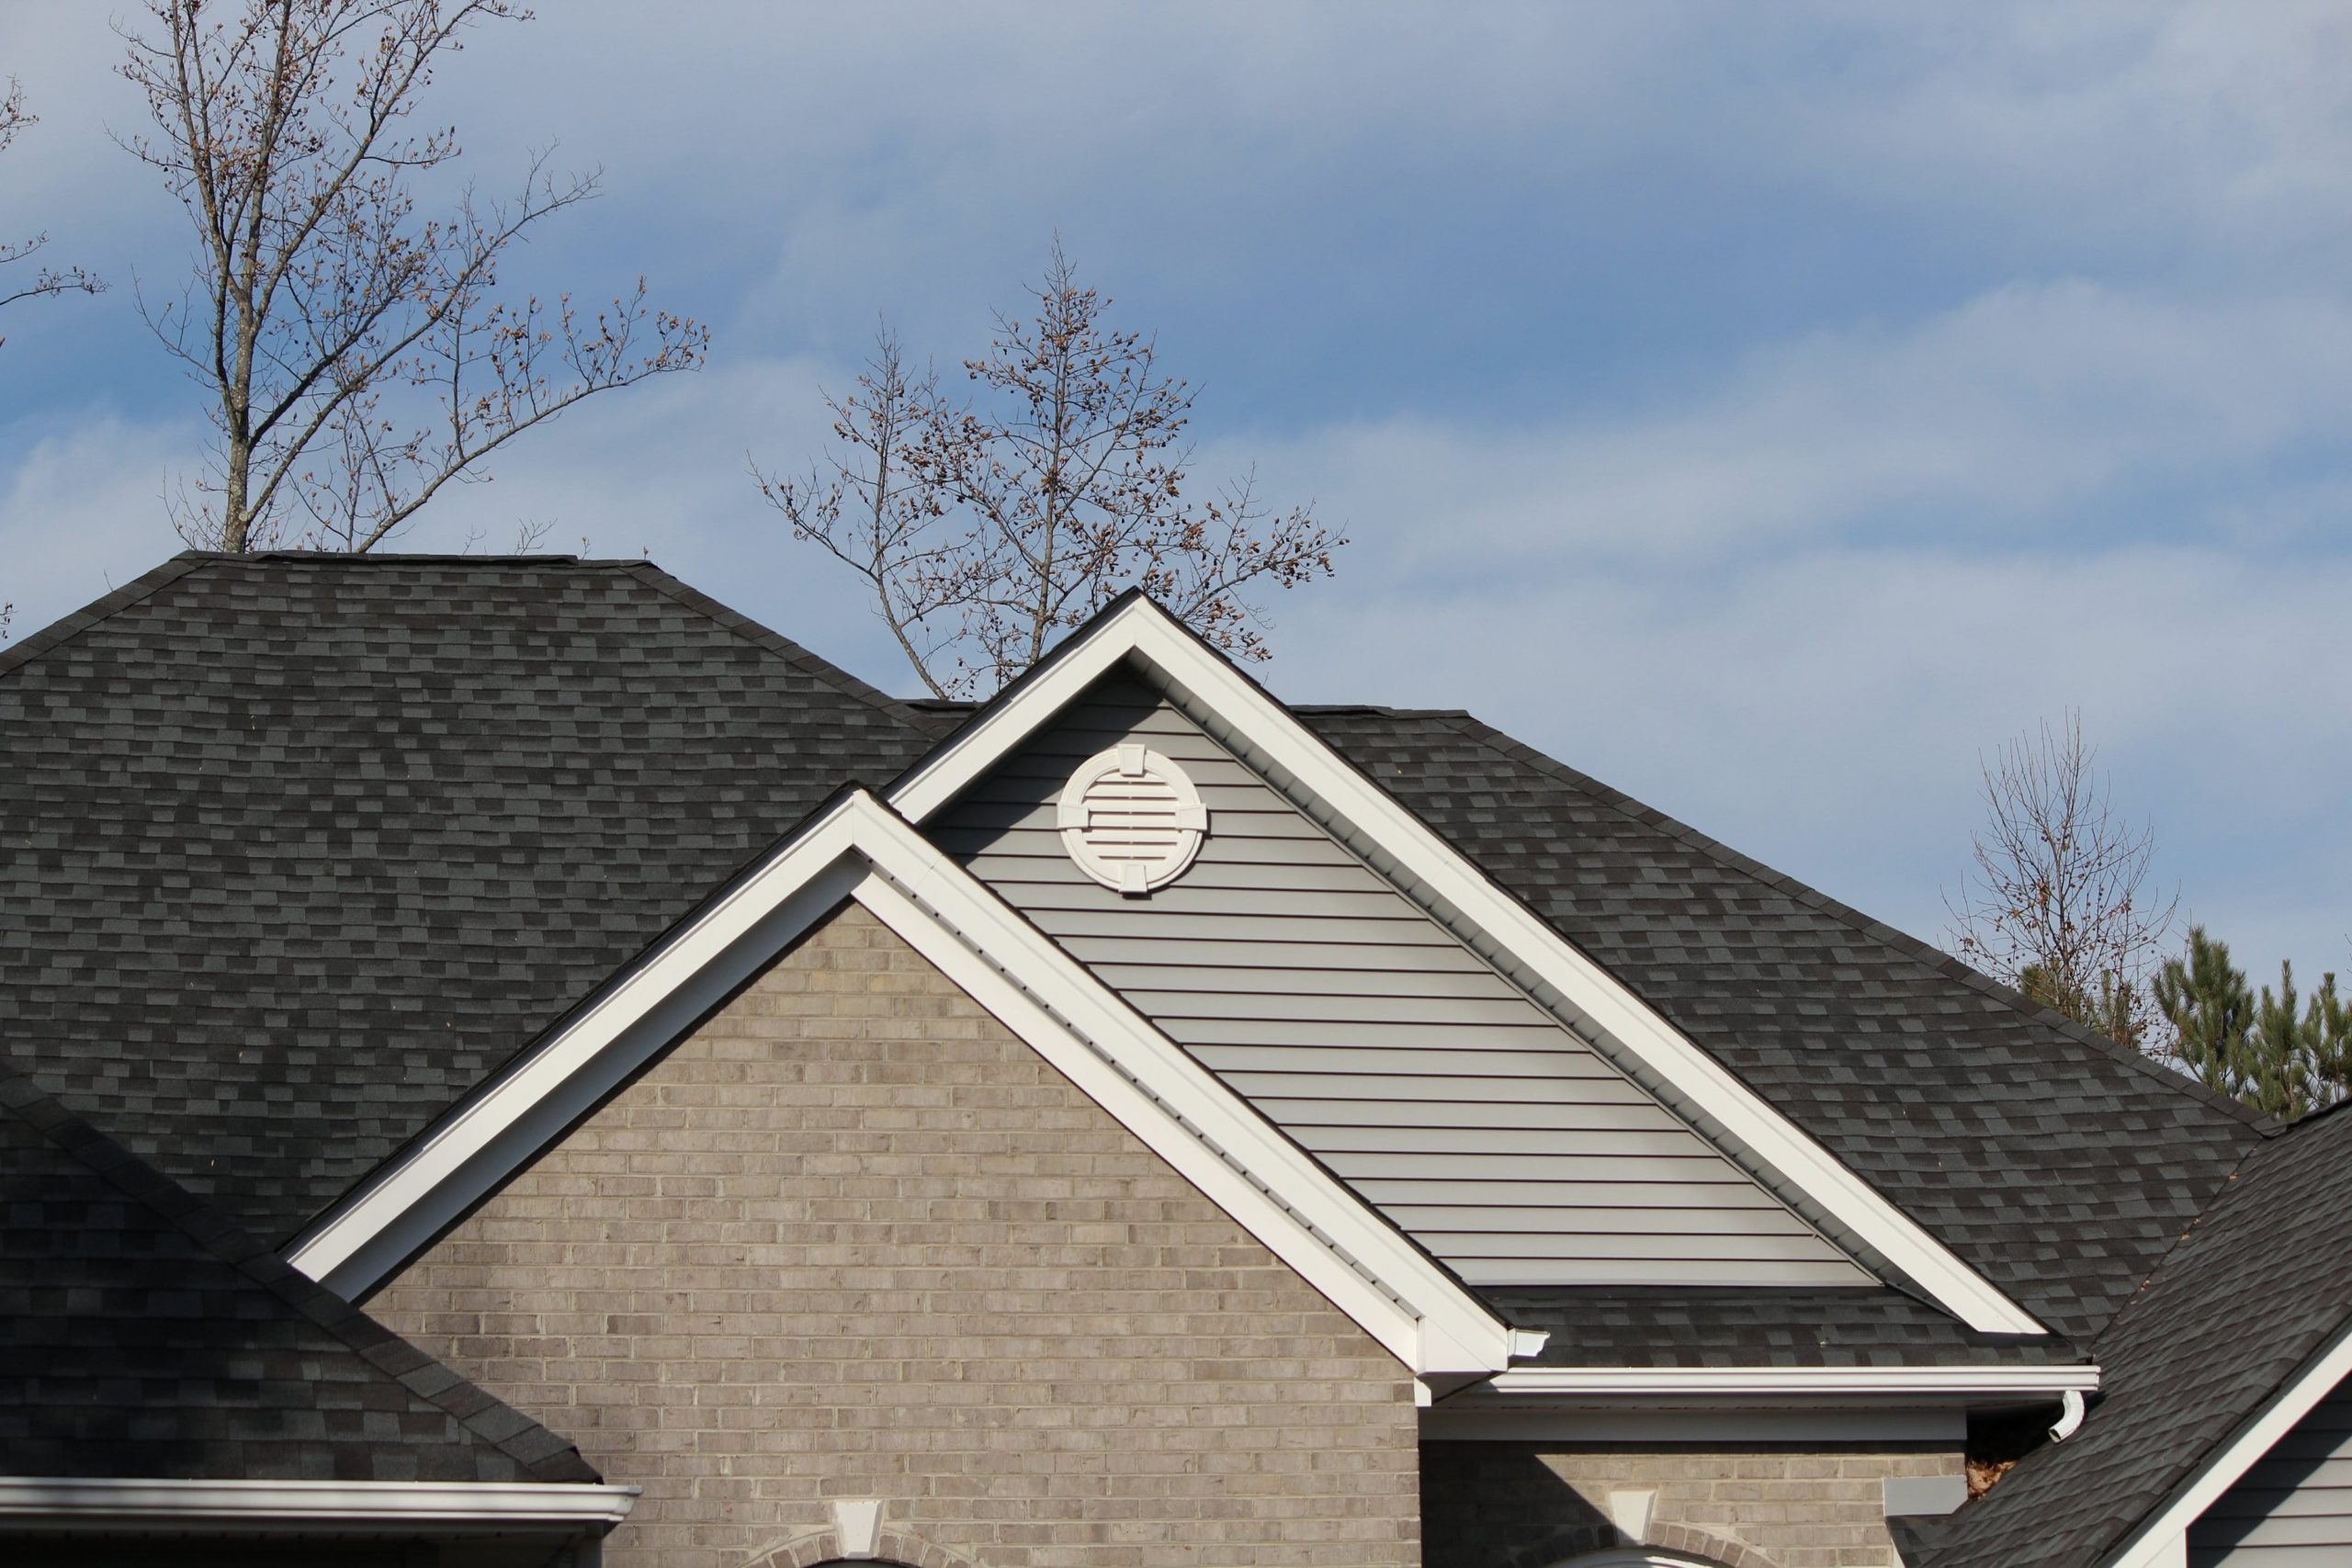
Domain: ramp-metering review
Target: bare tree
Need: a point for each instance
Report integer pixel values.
(2058, 905)
(984, 530)
(355, 354)
(46, 282)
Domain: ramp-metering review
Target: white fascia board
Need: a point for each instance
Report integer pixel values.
(862, 849)
(1142, 631)
(104, 1502)
(356, 1244)
(1633, 1422)
(1792, 1382)
(1244, 1163)
(2162, 1540)
(1102, 1080)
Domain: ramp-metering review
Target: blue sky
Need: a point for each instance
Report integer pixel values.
(1765, 409)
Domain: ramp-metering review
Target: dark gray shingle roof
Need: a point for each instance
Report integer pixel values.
(147, 1337)
(2258, 1287)
(2059, 1164)
(1677, 1327)
(296, 850)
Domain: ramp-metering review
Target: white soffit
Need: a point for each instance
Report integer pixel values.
(1794, 1382)
(1141, 630)
(108, 1502)
(1627, 1421)
(862, 849)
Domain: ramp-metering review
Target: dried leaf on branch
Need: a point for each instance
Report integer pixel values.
(985, 529)
(45, 281)
(357, 353)
(2059, 904)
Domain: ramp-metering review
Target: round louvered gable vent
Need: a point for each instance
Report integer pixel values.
(1131, 820)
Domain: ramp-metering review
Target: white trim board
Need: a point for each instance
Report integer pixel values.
(1731, 1427)
(861, 850)
(2162, 1540)
(97, 1503)
(1782, 1381)
(1431, 870)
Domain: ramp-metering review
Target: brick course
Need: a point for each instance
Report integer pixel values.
(1524, 1504)
(853, 1239)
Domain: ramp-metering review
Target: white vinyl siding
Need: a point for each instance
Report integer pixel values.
(2294, 1508)
(1372, 1035)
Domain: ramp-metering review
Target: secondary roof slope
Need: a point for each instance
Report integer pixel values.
(296, 850)
(150, 1338)
(2255, 1289)
(2057, 1163)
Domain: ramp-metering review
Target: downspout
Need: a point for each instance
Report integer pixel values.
(2070, 1416)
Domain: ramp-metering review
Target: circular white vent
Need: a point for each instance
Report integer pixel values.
(1131, 820)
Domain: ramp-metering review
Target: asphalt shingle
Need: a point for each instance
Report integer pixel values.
(300, 849)
(297, 849)
(2056, 1162)
(1593, 1326)
(2252, 1292)
(151, 1338)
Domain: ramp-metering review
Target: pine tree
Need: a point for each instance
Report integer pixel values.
(2205, 1000)
(2278, 1057)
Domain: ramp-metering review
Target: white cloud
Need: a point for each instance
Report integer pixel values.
(81, 509)
(1825, 711)
(1788, 588)
(2028, 412)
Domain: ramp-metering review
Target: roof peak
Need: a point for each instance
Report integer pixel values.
(412, 557)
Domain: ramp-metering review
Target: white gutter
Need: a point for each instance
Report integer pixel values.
(1795, 1380)
(92, 1502)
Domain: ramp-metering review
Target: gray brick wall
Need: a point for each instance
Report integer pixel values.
(1520, 1505)
(854, 1240)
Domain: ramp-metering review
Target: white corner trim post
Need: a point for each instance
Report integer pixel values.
(1142, 631)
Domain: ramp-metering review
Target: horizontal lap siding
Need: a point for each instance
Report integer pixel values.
(1373, 1036)
(2292, 1510)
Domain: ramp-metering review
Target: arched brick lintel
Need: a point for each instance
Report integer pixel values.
(895, 1549)
(1681, 1545)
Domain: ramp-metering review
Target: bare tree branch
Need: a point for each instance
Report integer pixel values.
(46, 282)
(986, 530)
(357, 357)
(2058, 905)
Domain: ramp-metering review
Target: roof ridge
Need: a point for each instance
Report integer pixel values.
(483, 1415)
(1876, 930)
(770, 641)
(1383, 710)
(74, 623)
(411, 558)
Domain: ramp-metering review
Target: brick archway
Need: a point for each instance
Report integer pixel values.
(1671, 1546)
(821, 1549)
